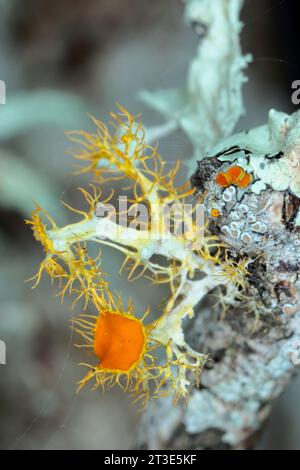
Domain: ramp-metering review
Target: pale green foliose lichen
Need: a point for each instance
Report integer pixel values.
(272, 153)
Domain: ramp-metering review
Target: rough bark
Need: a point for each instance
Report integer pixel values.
(254, 344)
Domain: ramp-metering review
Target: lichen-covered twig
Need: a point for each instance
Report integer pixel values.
(255, 347)
(210, 105)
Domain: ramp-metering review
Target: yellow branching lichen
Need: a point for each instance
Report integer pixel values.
(76, 272)
(49, 264)
(125, 348)
(125, 154)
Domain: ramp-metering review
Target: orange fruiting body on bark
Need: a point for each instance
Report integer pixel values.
(235, 173)
(223, 180)
(215, 212)
(119, 341)
(244, 181)
(236, 176)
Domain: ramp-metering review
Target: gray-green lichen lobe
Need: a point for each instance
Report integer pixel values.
(270, 152)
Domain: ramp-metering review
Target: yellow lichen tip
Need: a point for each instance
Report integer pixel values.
(50, 263)
(40, 228)
(124, 154)
(235, 272)
(77, 273)
(92, 198)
